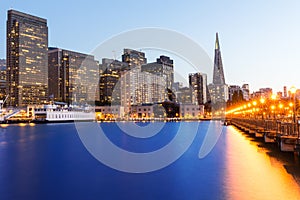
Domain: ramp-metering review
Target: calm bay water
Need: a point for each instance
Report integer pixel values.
(49, 161)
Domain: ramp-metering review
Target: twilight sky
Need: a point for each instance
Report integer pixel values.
(259, 39)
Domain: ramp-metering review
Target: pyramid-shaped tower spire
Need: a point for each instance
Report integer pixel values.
(217, 45)
(218, 77)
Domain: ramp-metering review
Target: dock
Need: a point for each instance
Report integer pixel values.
(284, 134)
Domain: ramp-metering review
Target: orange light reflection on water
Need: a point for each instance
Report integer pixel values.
(253, 174)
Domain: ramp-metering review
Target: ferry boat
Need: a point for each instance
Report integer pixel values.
(60, 113)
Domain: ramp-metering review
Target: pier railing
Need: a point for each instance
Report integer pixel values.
(280, 127)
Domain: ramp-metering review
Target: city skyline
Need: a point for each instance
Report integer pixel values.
(255, 39)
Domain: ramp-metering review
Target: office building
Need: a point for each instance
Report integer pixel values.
(27, 60)
(134, 58)
(72, 76)
(218, 89)
(109, 83)
(198, 84)
(2, 79)
(163, 67)
(246, 92)
(184, 95)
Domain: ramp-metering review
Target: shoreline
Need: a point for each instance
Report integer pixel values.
(100, 121)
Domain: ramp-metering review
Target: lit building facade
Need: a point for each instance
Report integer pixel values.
(2, 79)
(198, 84)
(163, 67)
(72, 76)
(134, 58)
(246, 92)
(109, 112)
(218, 89)
(27, 60)
(109, 84)
(191, 111)
(139, 86)
(184, 95)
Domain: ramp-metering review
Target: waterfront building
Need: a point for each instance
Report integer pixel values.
(142, 86)
(163, 67)
(266, 92)
(134, 58)
(27, 60)
(131, 82)
(109, 112)
(218, 89)
(142, 111)
(234, 92)
(72, 76)
(246, 92)
(191, 111)
(184, 95)
(262, 93)
(109, 84)
(198, 84)
(2, 79)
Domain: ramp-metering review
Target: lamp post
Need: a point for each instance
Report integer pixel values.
(273, 108)
(262, 101)
(293, 92)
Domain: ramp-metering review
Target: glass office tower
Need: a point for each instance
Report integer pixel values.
(27, 59)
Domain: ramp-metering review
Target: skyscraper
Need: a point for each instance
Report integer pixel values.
(198, 84)
(72, 76)
(110, 82)
(218, 77)
(132, 80)
(27, 59)
(134, 58)
(2, 79)
(164, 68)
(218, 89)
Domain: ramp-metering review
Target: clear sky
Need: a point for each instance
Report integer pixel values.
(259, 39)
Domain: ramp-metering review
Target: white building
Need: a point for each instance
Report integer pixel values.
(109, 112)
(191, 111)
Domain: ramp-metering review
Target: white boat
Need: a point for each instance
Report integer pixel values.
(54, 113)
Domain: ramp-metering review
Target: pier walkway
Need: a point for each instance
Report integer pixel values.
(284, 134)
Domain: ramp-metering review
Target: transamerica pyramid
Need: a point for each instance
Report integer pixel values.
(218, 77)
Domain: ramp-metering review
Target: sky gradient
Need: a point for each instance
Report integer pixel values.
(259, 39)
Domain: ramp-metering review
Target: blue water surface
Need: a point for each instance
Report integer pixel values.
(48, 161)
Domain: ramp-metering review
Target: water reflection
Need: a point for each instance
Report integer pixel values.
(252, 174)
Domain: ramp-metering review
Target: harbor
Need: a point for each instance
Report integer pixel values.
(50, 162)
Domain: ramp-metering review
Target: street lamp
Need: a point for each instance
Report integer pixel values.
(293, 92)
(262, 101)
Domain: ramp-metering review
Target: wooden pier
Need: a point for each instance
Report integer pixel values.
(284, 134)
